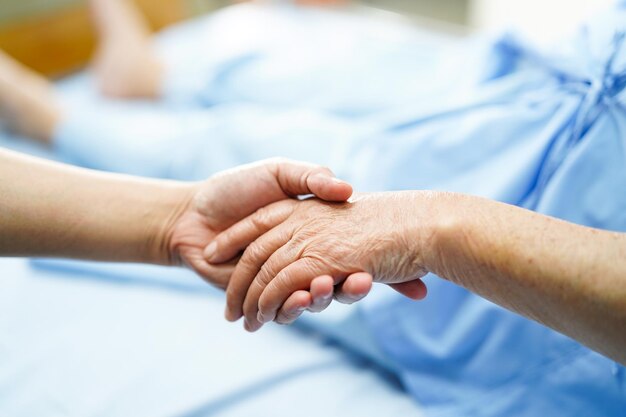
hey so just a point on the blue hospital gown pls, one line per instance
(539, 128)
(545, 132)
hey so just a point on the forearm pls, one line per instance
(568, 277)
(49, 209)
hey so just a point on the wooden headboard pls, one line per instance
(61, 41)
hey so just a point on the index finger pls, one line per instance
(236, 238)
(251, 262)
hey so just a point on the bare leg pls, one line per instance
(124, 64)
(27, 103)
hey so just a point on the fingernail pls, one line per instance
(210, 251)
(326, 298)
(249, 327)
(229, 316)
(337, 180)
(261, 318)
(327, 177)
(294, 314)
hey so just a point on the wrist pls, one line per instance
(453, 223)
(434, 220)
(173, 201)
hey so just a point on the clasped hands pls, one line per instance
(247, 231)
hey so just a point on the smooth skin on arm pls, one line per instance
(50, 209)
(568, 277)
(54, 210)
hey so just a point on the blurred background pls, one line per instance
(55, 36)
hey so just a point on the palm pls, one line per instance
(192, 234)
(212, 210)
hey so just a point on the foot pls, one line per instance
(27, 103)
(125, 64)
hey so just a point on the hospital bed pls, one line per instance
(114, 340)
(88, 339)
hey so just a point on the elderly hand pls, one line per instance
(230, 196)
(291, 243)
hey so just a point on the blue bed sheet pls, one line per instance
(81, 344)
(387, 109)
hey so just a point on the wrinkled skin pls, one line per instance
(228, 197)
(291, 243)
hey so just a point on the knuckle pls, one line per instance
(283, 282)
(256, 291)
(308, 266)
(287, 281)
(266, 275)
(262, 280)
(237, 233)
(283, 209)
(299, 242)
(252, 254)
(261, 218)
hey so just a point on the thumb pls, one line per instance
(299, 178)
